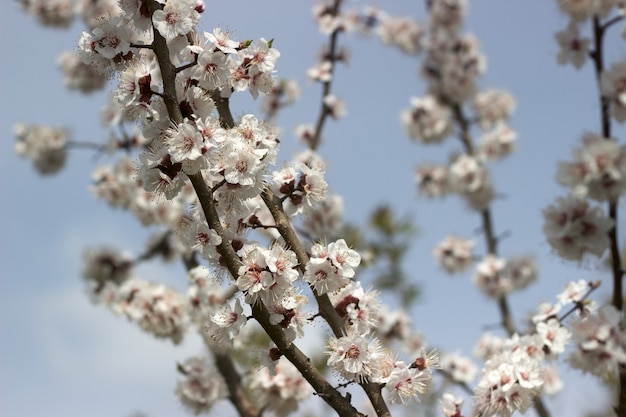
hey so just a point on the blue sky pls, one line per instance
(62, 356)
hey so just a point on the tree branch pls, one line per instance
(616, 264)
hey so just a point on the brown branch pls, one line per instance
(491, 241)
(168, 71)
(326, 85)
(326, 309)
(617, 301)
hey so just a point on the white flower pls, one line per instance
(221, 40)
(601, 342)
(598, 170)
(281, 391)
(427, 120)
(432, 180)
(574, 49)
(493, 107)
(573, 227)
(406, 384)
(454, 254)
(491, 276)
(553, 335)
(178, 17)
(574, 292)
(200, 386)
(355, 357)
(184, 142)
(451, 405)
(335, 107)
(330, 268)
(497, 142)
(403, 32)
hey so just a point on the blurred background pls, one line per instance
(62, 356)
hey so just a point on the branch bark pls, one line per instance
(597, 55)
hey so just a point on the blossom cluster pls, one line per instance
(575, 227)
(496, 276)
(519, 368)
(282, 390)
(199, 386)
(46, 146)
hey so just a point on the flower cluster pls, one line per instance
(330, 268)
(106, 264)
(199, 386)
(46, 146)
(574, 227)
(79, 76)
(496, 276)
(598, 170)
(301, 185)
(459, 368)
(613, 87)
(157, 309)
(600, 340)
(510, 379)
(360, 309)
(454, 254)
(54, 13)
(357, 357)
(427, 121)
(282, 390)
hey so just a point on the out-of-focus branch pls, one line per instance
(326, 85)
(597, 55)
(491, 242)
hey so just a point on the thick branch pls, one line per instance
(168, 71)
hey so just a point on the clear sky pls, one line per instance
(60, 356)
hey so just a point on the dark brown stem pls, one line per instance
(168, 71)
(597, 56)
(134, 45)
(616, 264)
(223, 108)
(326, 85)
